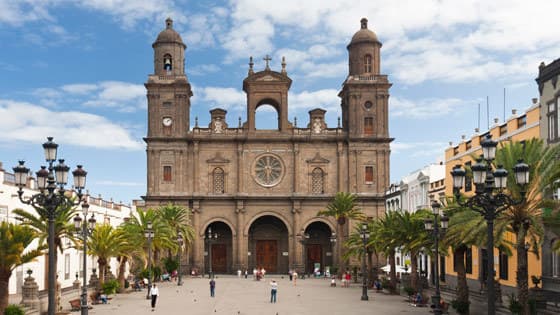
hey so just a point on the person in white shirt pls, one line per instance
(154, 293)
(273, 290)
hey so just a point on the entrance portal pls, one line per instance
(268, 245)
(267, 255)
(318, 248)
(218, 248)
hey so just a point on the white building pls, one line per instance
(70, 260)
(415, 192)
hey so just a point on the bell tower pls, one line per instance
(169, 90)
(365, 93)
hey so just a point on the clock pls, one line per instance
(167, 121)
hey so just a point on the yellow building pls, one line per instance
(518, 127)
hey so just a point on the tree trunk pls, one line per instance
(414, 283)
(393, 272)
(522, 274)
(342, 251)
(462, 287)
(102, 270)
(4, 289)
(122, 269)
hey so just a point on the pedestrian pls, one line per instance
(245, 273)
(290, 273)
(212, 287)
(154, 293)
(273, 290)
(294, 276)
(238, 273)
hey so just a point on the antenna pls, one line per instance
(487, 113)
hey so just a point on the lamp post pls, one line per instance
(364, 234)
(149, 233)
(180, 241)
(489, 199)
(434, 227)
(210, 238)
(84, 227)
(303, 238)
(51, 197)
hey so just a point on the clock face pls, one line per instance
(167, 121)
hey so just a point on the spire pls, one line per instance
(284, 65)
(251, 65)
(169, 23)
(267, 59)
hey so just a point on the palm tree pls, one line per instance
(14, 239)
(413, 238)
(385, 239)
(355, 247)
(177, 219)
(105, 242)
(133, 247)
(64, 227)
(525, 219)
(341, 208)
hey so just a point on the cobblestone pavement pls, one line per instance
(239, 296)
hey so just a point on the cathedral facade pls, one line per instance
(257, 192)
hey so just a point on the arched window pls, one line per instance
(167, 62)
(218, 180)
(367, 64)
(317, 181)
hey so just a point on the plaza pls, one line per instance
(248, 297)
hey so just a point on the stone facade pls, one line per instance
(260, 190)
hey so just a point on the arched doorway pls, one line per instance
(318, 247)
(218, 248)
(268, 245)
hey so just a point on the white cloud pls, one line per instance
(424, 108)
(203, 69)
(223, 97)
(79, 88)
(81, 129)
(418, 149)
(326, 99)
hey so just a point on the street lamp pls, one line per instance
(180, 241)
(50, 199)
(364, 234)
(84, 227)
(210, 238)
(434, 227)
(489, 199)
(303, 238)
(149, 233)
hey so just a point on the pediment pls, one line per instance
(217, 159)
(317, 159)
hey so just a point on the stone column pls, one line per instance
(197, 240)
(295, 253)
(241, 254)
(30, 294)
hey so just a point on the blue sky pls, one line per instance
(75, 70)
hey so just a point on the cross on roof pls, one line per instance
(267, 59)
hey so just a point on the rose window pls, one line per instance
(268, 170)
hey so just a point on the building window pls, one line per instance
(167, 104)
(455, 150)
(555, 261)
(468, 145)
(167, 62)
(317, 181)
(367, 64)
(369, 175)
(468, 262)
(552, 122)
(521, 121)
(468, 177)
(167, 173)
(503, 265)
(503, 129)
(218, 179)
(67, 266)
(457, 256)
(368, 125)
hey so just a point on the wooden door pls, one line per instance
(267, 255)
(219, 258)
(314, 255)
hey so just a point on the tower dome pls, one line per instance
(364, 35)
(169, 35)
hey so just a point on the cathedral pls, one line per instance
(254, 194)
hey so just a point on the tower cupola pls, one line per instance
(363, 51)
(169, 51)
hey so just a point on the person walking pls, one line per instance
(154, 293)
(273, 291)
(294, 276)
(212, 287)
